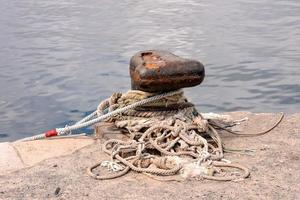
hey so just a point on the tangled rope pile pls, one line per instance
(165, 138)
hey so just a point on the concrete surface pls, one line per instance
(274, 166)
(18, 155)
(9, 159)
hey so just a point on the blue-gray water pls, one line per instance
(59, 58)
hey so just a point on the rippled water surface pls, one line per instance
(59, 58)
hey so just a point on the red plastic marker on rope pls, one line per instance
(51, 133)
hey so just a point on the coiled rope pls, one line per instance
(158, 137)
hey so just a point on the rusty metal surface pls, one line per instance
(157, 71)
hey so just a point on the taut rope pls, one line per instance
(88, 121)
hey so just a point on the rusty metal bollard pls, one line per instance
(158, 71)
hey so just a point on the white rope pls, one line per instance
(90, 116)
(35, 137)
(86, 121)
(62, 131)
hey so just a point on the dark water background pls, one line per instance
(59, 58)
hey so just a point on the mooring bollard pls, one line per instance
(167, 136)
(158, 71)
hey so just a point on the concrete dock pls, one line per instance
(56, 168)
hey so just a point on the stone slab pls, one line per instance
(33, 152)
(17, 155)
(9, 158)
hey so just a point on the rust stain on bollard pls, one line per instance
(152, 61)
(158, 71)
